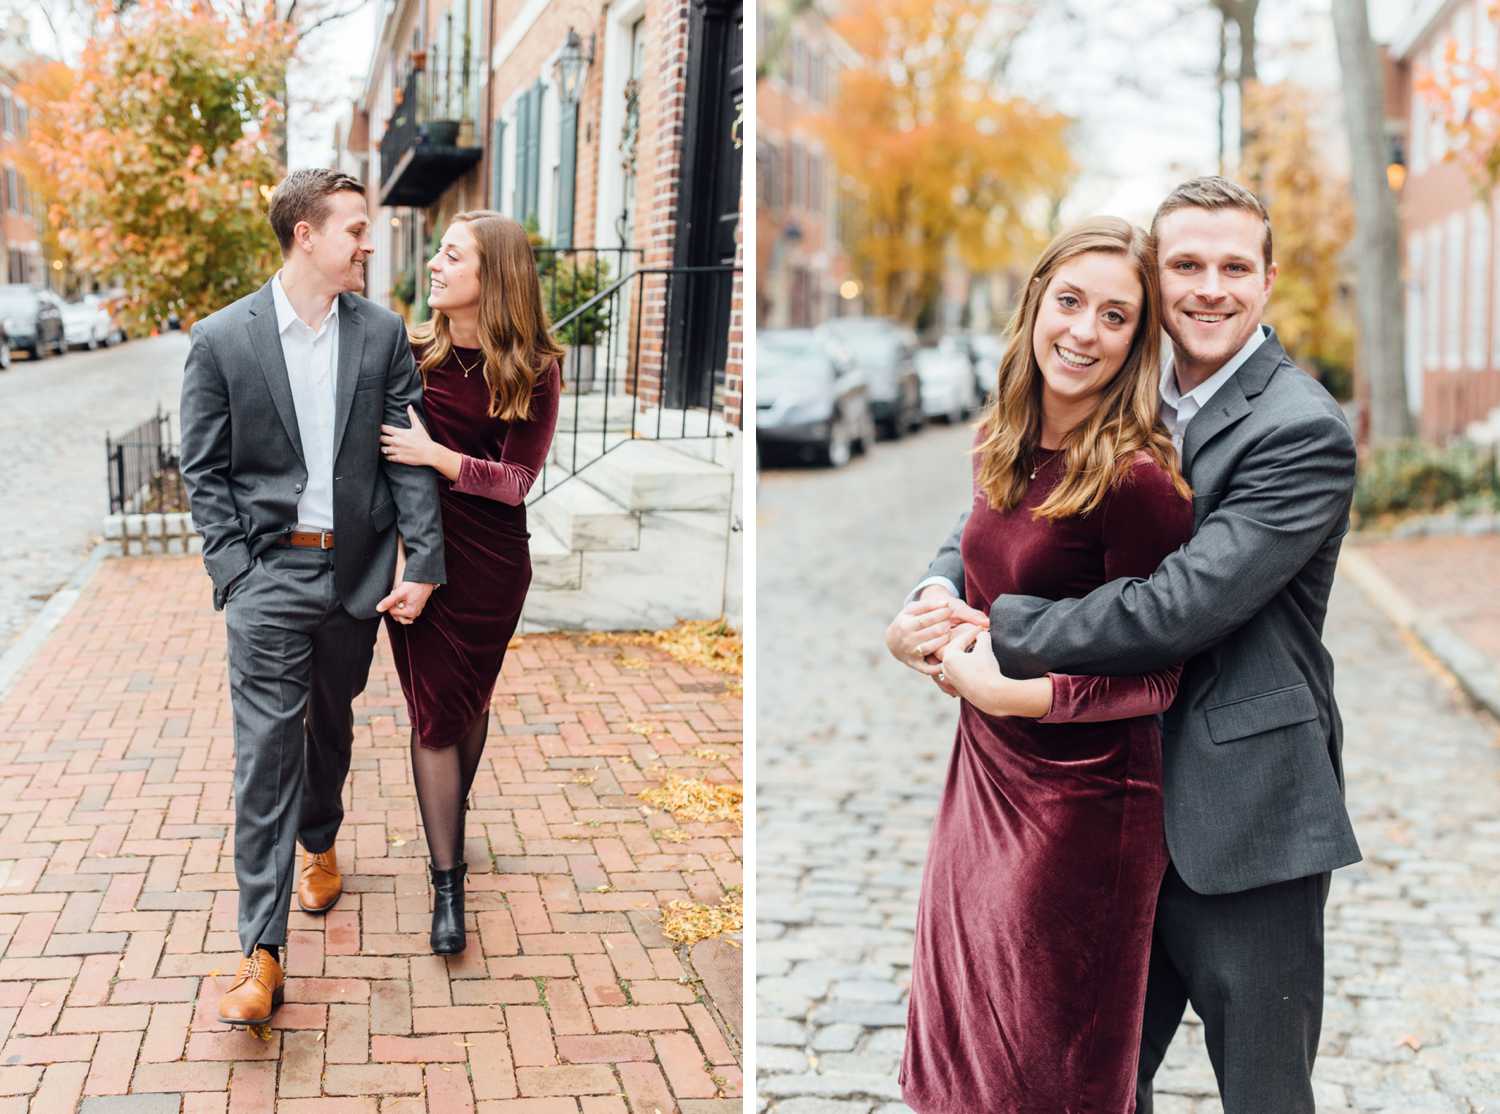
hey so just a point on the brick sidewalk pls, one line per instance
(117, 891)
(1453, 579)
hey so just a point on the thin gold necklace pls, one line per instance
(460, 361)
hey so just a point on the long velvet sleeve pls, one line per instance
(508, 479)
(1144, 520)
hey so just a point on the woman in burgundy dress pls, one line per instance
(1034, 929)
(491, 386)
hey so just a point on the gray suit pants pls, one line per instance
(297, 660)
(1252, 965)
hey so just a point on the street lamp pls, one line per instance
(1395, 170)
(572, 64)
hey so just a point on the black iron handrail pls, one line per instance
(142, 469)
(616, 316)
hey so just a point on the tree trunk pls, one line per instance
(1377, 252)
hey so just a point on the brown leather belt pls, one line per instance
(307, 539)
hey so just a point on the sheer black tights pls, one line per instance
(443, 779)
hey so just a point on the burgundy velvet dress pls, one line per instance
(1034, 928)
(449, 659)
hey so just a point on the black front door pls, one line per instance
(708, 211)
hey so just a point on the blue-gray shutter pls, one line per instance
(532, 181)
(567, 164)
(518, 188)
(497, 165)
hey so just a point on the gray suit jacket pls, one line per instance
(1253, 743)
(242, 451)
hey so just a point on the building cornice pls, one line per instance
(1414, 30)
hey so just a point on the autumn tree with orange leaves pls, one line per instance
(1465, 92)
(943, 165)
(162, 154)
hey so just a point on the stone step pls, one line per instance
(595, 412)
(677, 573)
(584, 518)
(651, 476)
(554, 566)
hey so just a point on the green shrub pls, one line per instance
(568, 283)
(1410, 477)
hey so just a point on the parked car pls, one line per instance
(884, 351)
(986, 352)
(948, 381)
(87, 323)
(33, 319)
(807, 401)
(4, 350)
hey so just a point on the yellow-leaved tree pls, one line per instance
(161, 155)
(1312, 218)
(941, 163)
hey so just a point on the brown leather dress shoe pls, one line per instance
(256, 991)
(320, 883)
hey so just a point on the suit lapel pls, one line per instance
(351, 356)
(265, 341)
(1227, 406)
(1231, 402)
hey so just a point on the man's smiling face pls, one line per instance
(1214, 285)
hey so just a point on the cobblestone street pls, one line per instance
(54, 415)
(118, 898)
(852, 749)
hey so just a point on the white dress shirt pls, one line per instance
(312, 360)
(1177, 409)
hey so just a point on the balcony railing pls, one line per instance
(420, 155)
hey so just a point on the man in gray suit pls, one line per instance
(1255, 814)
(283, 397)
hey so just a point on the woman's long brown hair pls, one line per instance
(514, 333)
(1101, 449)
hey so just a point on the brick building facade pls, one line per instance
(1448, 231)
(581, 118)
(18, 208)
(801, 262)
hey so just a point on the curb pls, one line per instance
(14, 661)
(1476, 674)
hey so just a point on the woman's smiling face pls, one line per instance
(1085, 324)
(455, 270)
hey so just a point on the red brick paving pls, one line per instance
(1449, 578)
(117, 896)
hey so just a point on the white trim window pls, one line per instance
(1416, 319)
(1453, 281)
(1433, 288)
(1495, 289)
(1476, 299)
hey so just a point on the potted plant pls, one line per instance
(576, 281)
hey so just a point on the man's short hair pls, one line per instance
(1213, 192)
(303, 196)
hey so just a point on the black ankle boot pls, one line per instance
(448, 910)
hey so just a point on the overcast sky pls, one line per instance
(1144, 103)
(1145, 100)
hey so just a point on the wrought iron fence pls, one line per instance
(571, 276)
(142, 469)
(640, 366)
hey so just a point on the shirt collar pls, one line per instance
(286, 315)
(1210, 386)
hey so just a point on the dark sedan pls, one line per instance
(886, 353)
(806, 403)
(33, 319)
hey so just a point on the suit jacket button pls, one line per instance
(298, 488)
